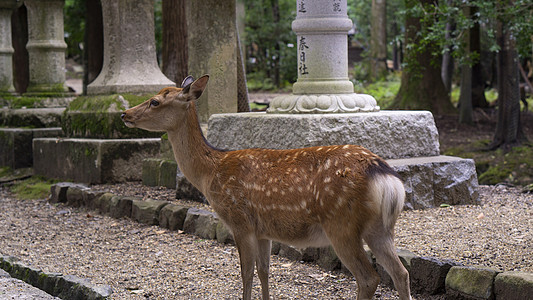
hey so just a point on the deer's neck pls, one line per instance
(195, 157)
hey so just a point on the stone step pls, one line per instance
(93, 160)
(435, 180)
(16, 145)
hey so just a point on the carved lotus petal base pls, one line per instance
(326, 103)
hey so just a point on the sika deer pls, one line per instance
(338, 195)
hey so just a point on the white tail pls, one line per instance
(338, 195)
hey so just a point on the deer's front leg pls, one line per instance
(248, 247)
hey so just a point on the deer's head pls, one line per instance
(168, 108)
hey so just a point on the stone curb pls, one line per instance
(55, 284)
(428, 275)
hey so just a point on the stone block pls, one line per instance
(513, 285)
(92, 160)
(102, 203)
(120, 207)
(470, 283)
(89, 196)
(167, 174)
(328, 259)
(185, 190)
(58, 191)
(223, 234)
(290, 252)
(275, 248)
(100, 125)
(32, 117)
(150, 171)
(75, 195)
(173, 216)
(201, 223)
(147, 211)
(16, 145)
(389, 134)
(428, 275)
(432, 181)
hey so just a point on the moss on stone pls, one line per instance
(99, 117)
(497, 166)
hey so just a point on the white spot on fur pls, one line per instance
(327, 179)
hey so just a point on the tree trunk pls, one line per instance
(421, 84)
(93, 52)
(508, 129)
(174, 49)
(447, 59)
(378, 40)
(478, 78)
(19, 36)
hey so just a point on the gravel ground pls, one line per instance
(148, 262)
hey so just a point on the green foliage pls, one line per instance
(270, 43)
(518, 18)
(32, 188)
(74, 24)
(383, 91)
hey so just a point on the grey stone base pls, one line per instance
(389, 134)
(92, 160)
(407, 139)
(16, 145)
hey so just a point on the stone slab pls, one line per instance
(92, 160)
(16, 145)
(389, 134)
(435, 180)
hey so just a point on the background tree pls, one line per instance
(378, 40)
(174, 40)
(421, 83)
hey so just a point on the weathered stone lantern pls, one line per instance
(46, 46)
(6, 48)
(323, 86)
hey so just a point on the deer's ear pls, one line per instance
(187, 81)
(195, 89)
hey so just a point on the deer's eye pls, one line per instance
(154, 103)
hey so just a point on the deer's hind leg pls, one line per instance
(349, 248)
(381, 242)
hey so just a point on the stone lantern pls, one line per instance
(6, 47)
(323, 86)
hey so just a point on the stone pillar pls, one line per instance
(46, 46)
(6, 47)
(321, 27)
(212, 35)
(130, 62)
